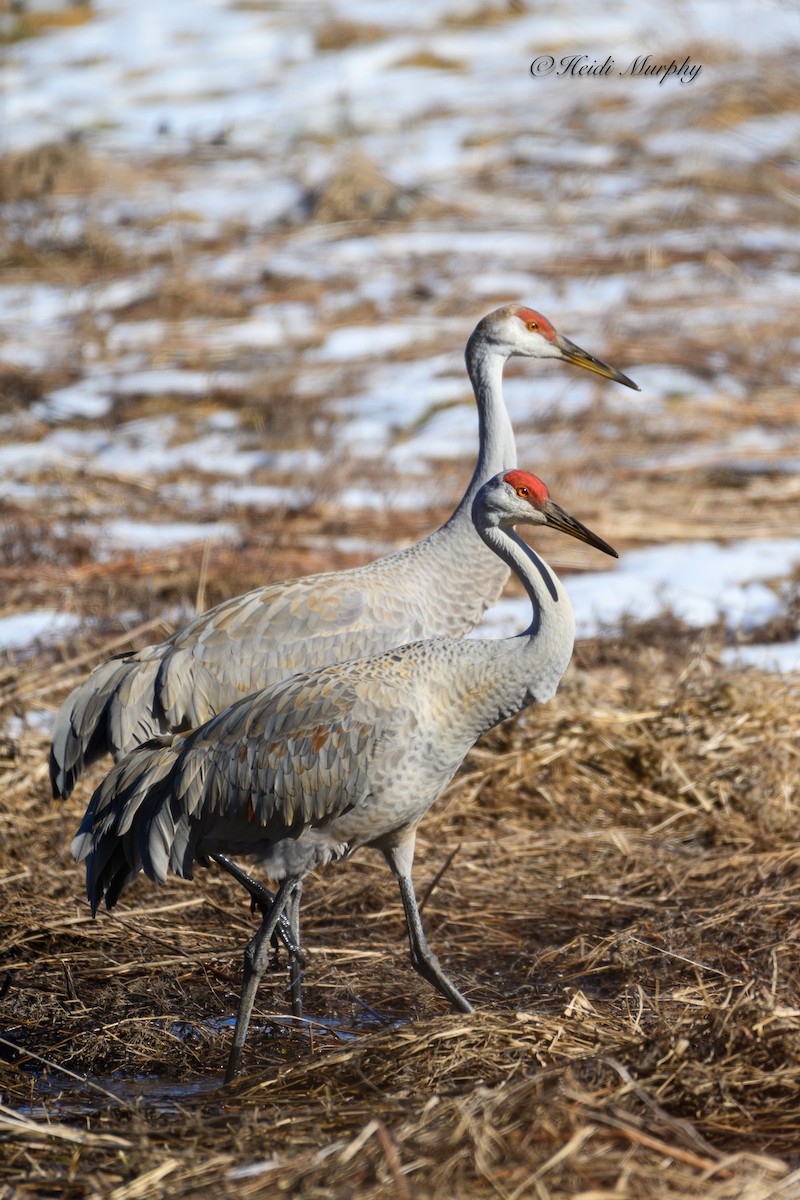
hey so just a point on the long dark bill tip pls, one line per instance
(558, 518)
(579, 358)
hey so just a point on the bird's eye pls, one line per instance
(533, 326)
(523, 491)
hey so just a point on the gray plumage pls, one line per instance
(439, 586)
(350, 755)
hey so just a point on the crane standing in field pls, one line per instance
(350, 755)
(441, 585)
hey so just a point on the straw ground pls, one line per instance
(613, 879)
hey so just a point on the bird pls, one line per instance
(440, 585)
(352, 754)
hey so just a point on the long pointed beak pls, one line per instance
(574, 354)
(557, 518)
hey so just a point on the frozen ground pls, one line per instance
(214, 334)
(701, 583)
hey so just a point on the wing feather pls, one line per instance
(245, 643)
(293, 756)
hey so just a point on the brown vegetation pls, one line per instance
(621, 903)
(613, 878)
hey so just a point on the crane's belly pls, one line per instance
(379, 819)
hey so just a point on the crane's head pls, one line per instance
(516, 329)
(519, 498)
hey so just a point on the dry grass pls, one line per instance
(52, 168)
(622, 901)
(622, 905)
(358, 191)
(772, 89)
(483, 13)
(341, 35)
(20, 386)
(179, 297)
(21, 23)
(74, 260)
(427, 60)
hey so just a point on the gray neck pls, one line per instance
(474, 571)
(549, 601)
(451, 572)
(458, 576)
(498, 451)
(505, 676)
(493, 679)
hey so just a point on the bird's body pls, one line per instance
(440, 586)
(352, 754)
(315, 767)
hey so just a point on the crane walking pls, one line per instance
(349, 755)
(441, 585)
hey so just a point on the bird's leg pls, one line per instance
(423, 960)
(262, 899)
(288, 928)
(256, 956)
(296, 957)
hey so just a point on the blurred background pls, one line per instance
(244, 244)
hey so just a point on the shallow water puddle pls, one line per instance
(54, 1097)
(320, 1031)
(60, 1099)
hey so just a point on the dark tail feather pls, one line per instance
(109, 836)
(88, 725)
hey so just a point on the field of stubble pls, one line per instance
(613, 879)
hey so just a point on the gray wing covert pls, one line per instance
(245, 643)
(251, 641)
(296, 754)
(267, 635)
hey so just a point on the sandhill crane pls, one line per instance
(349, 755)
(440, 585)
